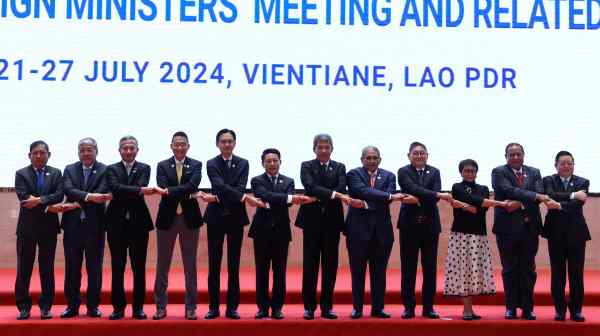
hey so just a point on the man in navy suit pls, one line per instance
(567, 233)
(369, 233)
(84, 227)
(419, 226)
(517, 228)
(128, 223)
(226, 217)
(271, 232)
(178, 216)
(321, 223)
(39, 188)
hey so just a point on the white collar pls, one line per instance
(177, 161)
(128, 164)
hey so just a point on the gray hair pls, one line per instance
(89, 142)
(322, 138)
(368, 148)
(127, 138)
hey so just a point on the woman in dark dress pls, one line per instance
(469, 261)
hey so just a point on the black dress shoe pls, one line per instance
(408, 314)
(116, 315)
(70, 312)
(328, 314)
(308, 314)
(430, 314)
(510, 314)
(160, 314)
(212, 314)
(558, 316)
(277, 314)
(190, 314)
(232, 314)
(93, 312)
(528, 315)
(356, 314)
(380, 314)
(577, 317)
(23, 314)
(261, 314)
(471, 317)
(45, 314)
(139, 315)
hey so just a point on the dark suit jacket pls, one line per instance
(427, 195)
(127, 197)
(229, 185)
(504, 183)
(36, 221)
(326, 213)
(76, 191)
(166, 177)
(361, 224)
(569, 223)
(273, 222)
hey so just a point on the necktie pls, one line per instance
(520, 179)
(372, 180)
(179, 171)
(565, 183)
(128, 167)
(420, 175)
(39, 183)
(86, 176)
(228, 162)
(273, 181)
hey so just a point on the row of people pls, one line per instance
(367, 191)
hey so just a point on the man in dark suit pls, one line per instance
(420, 228)
(567, 233)
(226, 216)
(271, 232)
(517, 228)
(321, 222)
(128, 223)
(369, 233)
(84, 184)
(178, 216)
(39, 188)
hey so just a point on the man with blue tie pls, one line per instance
(271, 232)
(419, 226)
(226, 216)
(39, 188)
(369, 233)
(518, 227)
(567, 233)
(84, 230)
(128, 224)
(178, 216)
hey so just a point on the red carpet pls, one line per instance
(343, 293)
(450, 324)
(490, 307)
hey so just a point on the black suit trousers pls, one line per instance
(565, 258)
(517, 255)
(135, 244)
(270, 253)
(376, 255)
(77, 246)
(216, 237)
(319, 248)
(27, 246)
(411, 243)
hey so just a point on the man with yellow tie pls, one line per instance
(178, 216)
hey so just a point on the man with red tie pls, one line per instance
(517, 228)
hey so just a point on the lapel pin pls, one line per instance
(47, 174)
(93, 172)
(330, 168)
(233, 165)
(379, 177)
(187, 166)
(172, 166)
(571, 184)
(427, 172)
